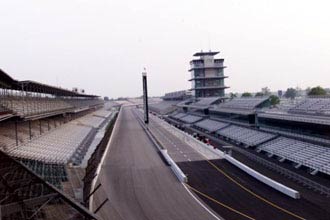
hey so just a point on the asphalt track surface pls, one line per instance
(137, 183)
(221, 184)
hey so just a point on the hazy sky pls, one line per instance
(103, 45)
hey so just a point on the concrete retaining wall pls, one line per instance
(174, 167)
(275, 185)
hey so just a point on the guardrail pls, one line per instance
(275, 185)
(174, 167)
(163, 152)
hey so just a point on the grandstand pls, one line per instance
(50, 148)
(246, 136)
(169, 102)
(178, 115)
(302, 153)
(164, 107)
(309, 110)
(210, 126)
(201, 104)
(24, 195)
(190, 119)
(319, 106)
(243, 106)
(304, 143)
(47, 129)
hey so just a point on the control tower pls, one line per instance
(207, 77)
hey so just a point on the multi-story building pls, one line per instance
(207, 77)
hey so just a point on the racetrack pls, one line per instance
(137, 182)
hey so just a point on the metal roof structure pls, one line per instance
(7, 82)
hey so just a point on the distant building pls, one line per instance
(207, 75)
(178, 95)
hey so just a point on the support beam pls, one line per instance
(16, 133)
(100, 206)
(96, 188)
(30, 132)
(40, 127)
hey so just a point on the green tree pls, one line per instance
(274, 100)
(233, 95)
(290, 93)
(246, 94)
(317, 91)
(259, 94)
(265, 91)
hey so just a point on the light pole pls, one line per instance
(145, 97)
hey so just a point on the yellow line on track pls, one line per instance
(254, 194)
(247, 190)
(220, 203)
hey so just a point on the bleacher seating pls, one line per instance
(7, 134)
(313, 106)
(302, 136)
(84, 103)
(210, 125)
(302, 153)
(178, 115)
(189, 119)
(56, 146)
(243, 103)
(314, 119)
(102, 113)
(52, 173)
(28, 106)
(249, 137)
(206, 101)
(163, 107)
(90, 120)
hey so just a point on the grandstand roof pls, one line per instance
(202, 103)
(233, 111)
(7, 82)
(33, 86)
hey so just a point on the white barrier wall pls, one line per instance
(275, 185)
(176, 170)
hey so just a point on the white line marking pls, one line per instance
(200, 203)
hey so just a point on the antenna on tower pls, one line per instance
(209, 40)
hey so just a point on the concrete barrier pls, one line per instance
(163, 152)
(174, 167)
(275, 185)
(199, 146)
